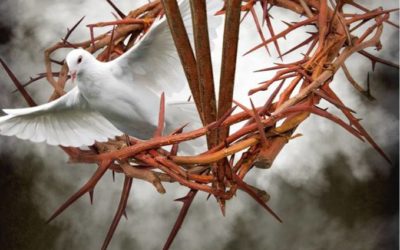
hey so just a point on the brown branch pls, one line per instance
(88, 187)
(184, 49)
(258, 26)
(376, 59)
(254, 195)
(161, 117)
(214, 157)
(35, 79)
(144, 174)
(204, 66)
(70, 31)
(120, 211)
(18, 84)
(354, 83)
(283, 33)
(120, 13)
(187, 201)
(228, 64)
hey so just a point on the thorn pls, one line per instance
(91, 29)
(110, 45)
(182, 199)
(263, 137)
(18, 84)
(375, 59)
(244, 16)
(37, 78)
(181, 217)
(115, 16)
(120, 13)
(243, 186)
(282, 34)
(226, 143)
(57, 62)
(69, 31)
(175, 147)
(272, 32)
(320, 112)
(232, 160)
(222, 206)
(305, 42)
(322, 94)
(369, 88)
(270, 100)
(288, 24)
(243, 107)
(125, 215)
(265, 11)
(69, 44)
(218, 123)
(221, 11)
(89, 185)
(161, 117)
(361, 130)
(120, 211)
(296, 136)
(259, 30)
(91, 192)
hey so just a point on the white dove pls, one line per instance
(111, 98)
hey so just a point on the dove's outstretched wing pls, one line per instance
(153, 61)
(67, 121)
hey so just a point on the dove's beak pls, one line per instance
(73, 75)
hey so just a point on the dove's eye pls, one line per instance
(79, 59)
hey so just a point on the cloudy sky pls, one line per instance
(332, 191)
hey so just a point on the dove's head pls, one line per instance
(77, 60)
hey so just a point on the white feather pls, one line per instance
(67, 121)
(154, 61)
(121, 95)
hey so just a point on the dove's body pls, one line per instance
(112, 98)
(116, 96)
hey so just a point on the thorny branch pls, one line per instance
(259, 141)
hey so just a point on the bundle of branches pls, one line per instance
(260, 140)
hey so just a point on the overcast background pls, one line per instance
(332, 191)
